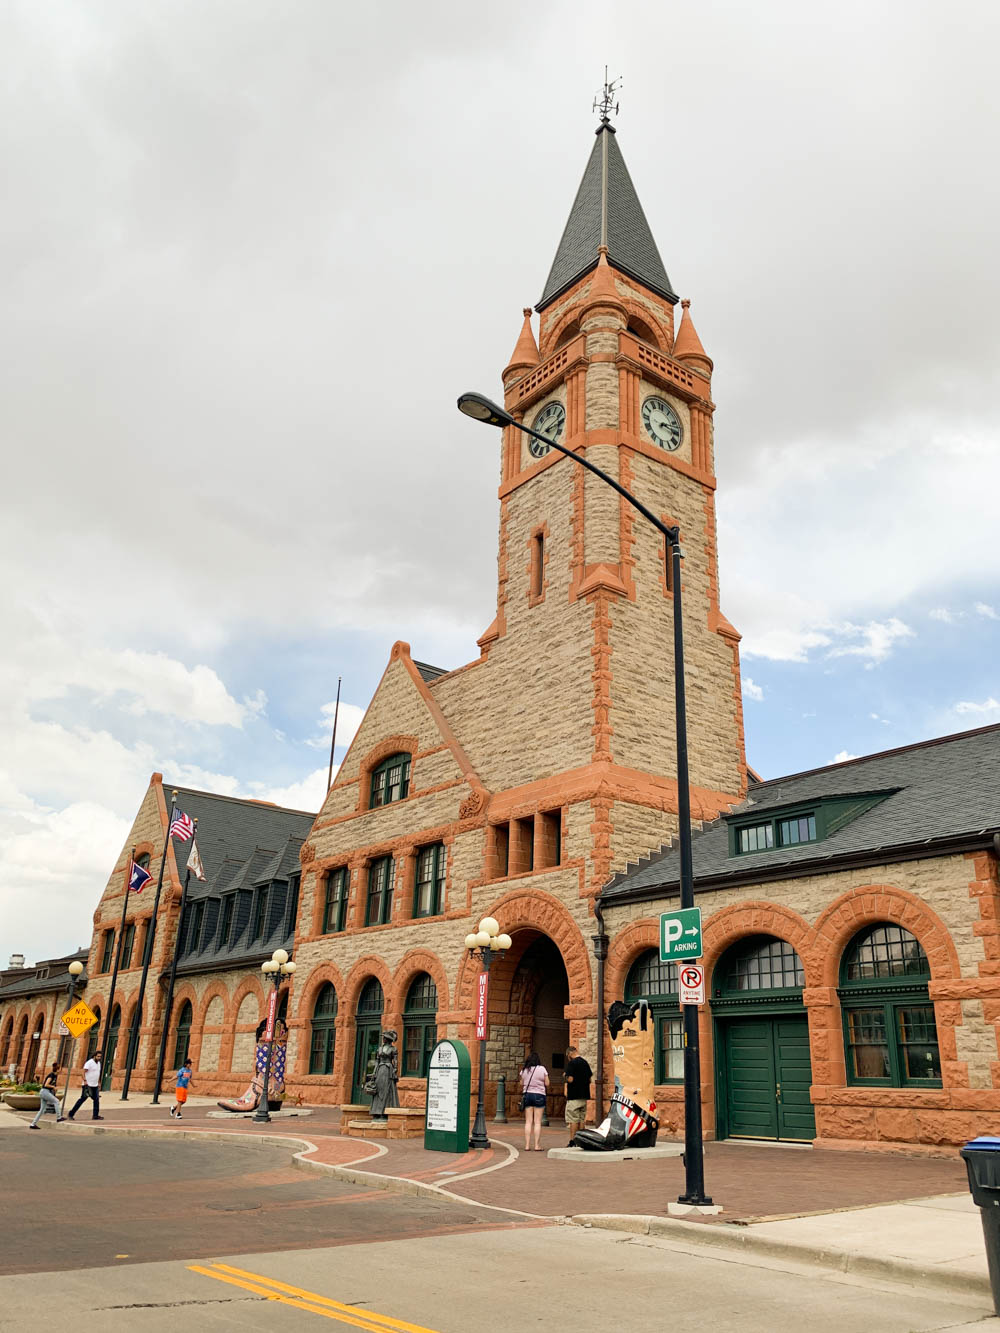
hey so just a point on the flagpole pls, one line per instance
(147, 954)
(333, 742)
(173, 976)
(118, 958)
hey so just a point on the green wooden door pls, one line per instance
(365, 1048)
(768, 1073)
(109, 1060)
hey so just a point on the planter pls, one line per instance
(22, 1101)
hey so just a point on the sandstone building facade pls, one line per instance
(533, 784)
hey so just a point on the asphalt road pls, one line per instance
(85, 1201)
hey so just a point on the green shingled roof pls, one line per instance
(607, 211)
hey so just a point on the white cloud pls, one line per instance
(785, 644)
(987, 612)
(751, 690)
(348, 720)
(309, 794)
(988, 708)
(876, 639)
(944, 615)
(843, 757)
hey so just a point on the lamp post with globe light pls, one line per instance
(277, 966)
(74, 969)
(483, 944)
(480, 408)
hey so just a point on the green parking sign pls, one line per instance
(680, 934)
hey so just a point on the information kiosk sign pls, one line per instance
(449, 1087)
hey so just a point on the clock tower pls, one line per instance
(584, 624)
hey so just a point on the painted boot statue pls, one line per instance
(630, 1122)
(382, 1084)
(276, 1080)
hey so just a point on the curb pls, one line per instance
(966, 1287)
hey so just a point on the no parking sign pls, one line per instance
(691, 977)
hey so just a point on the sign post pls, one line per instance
(449, 1088)
(691, 977)
(77, 1020)
(482, 1006)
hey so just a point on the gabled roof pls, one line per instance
(606, 211)
(57, 978)
(943, 795)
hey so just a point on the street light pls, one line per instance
(74, 970)
(481, 408)
(483, 944)
(276, 967)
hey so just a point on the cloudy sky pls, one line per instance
(251, 252)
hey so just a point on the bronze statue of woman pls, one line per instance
(385, 1077)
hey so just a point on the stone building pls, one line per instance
(537, 784)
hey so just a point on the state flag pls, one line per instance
(138, 878)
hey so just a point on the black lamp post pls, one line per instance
(74, 970)
(277, 966)
(481, 408)
(483, 944)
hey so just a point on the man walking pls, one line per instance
(91, 1088)
(49, 1100)
(578, 1076)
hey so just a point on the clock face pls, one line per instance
(662, 423)
(551, 421)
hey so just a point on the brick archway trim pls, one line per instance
(411, 964)
(872, 903)
(723, 929)
(216, 989)
(530, 909)
(368, 966)
(317, 979)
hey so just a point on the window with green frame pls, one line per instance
(94, 1035)
(260, 914)
(890, 1035)
(378, 908)
(322, 1047)
(791, 826)
(182, 1044)
(419, 1026)
(128, 943)
(143, 860)
(390, 780)
(656, 983)
(338, 888)
(197, 921)
(761, 963)
(107, 950)
(428, 889)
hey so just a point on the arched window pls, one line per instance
(390, 780)
(143, 860)
(760, 963)
(5, 1048)
(324, 1031)
(183, 1041)
(22, 1037)
(656, 983)
(419, 1026)
(371, 1001)
(93, 1036)
(890, 1036)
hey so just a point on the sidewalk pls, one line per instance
(907, 1219)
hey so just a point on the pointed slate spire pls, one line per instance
(687, 344)
(525, 353)
(606, 211)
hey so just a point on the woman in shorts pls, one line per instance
(534, 1087)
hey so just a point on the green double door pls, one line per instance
(367, 1042)
(767, 1073)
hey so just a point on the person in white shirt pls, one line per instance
(91, 1089)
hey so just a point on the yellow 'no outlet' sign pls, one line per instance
(79, 1018)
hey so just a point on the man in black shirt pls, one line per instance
(578, 1076)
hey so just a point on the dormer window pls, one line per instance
(792, 826)
(390, 781)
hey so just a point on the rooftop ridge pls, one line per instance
(237, 800)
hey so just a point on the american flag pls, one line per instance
(181, 826)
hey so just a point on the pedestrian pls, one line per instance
(91, 1088)
(183, 1077)
(534, 1086)
(49, 1098)
(578, 1076)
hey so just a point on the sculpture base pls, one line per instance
(616, 1155)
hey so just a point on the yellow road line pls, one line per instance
(307, 1300)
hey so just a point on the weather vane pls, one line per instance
(606, 102)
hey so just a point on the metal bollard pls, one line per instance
(501, 1116)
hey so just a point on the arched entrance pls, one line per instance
(368, 1026)
(763, 1068)
(529, 992)
(34, 1046)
